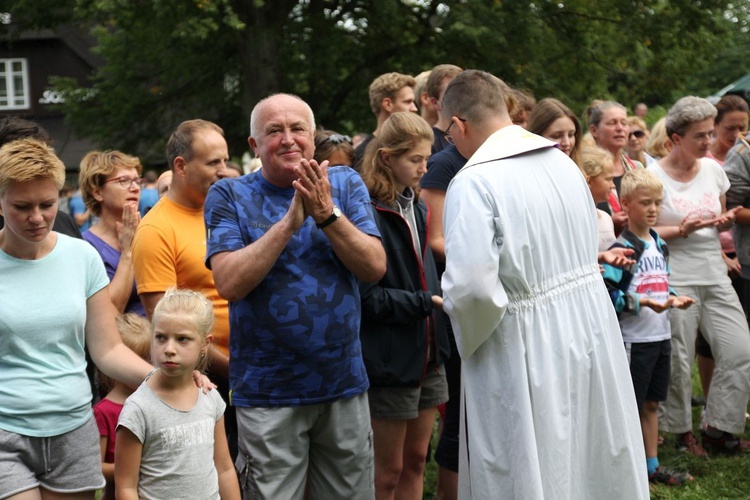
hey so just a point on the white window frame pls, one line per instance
(10, 87)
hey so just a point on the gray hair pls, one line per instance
(476, 96)
(255, 115)
(598, 112)
(687, 111)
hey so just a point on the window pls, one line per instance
(14, 84)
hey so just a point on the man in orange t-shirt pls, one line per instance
(169, 247)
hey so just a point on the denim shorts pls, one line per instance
(68, 463)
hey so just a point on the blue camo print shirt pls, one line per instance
(295, 338)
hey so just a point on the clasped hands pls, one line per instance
(312, 196)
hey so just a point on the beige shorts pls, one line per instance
(327, 446)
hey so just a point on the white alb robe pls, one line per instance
(548, 409)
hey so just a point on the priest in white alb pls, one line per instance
(548, 408)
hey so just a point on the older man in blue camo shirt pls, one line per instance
(287, 245)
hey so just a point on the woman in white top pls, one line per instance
(693, 211)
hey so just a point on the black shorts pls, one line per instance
(446, 454)
(649, 369)
(702, 347)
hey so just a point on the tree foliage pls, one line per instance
(167, 61)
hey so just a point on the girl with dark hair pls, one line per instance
(729, 124)
(553, 120)
(334, 147)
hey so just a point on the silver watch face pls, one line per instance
(336, 211)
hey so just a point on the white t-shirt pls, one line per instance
(695, 260)
(177, 459)
(651, 280)
(606, 230)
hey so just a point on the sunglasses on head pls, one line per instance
(639, 134)
(337, 139)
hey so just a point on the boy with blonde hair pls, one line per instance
(642, 298)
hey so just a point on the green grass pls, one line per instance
(430, 473)
(720, 477)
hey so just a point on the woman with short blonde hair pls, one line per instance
(55, 301)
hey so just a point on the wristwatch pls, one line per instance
(335, 214)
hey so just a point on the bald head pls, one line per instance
(163, 183)
(282, 129)
(275, 101)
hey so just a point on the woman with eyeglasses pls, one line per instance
(111, 185)
(637, 138)
(730, 124)
(334, 147)
(693, 211)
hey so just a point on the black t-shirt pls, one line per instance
(359, 152)
(440, 142)
(441, 169)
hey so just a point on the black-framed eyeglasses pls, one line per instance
(447, 135)
(127, 182)
(336, 139)
(639, 134)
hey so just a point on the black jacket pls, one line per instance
(397, 312)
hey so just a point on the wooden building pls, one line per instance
(27, 61)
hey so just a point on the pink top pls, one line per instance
(106, 413)
(725, 237)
